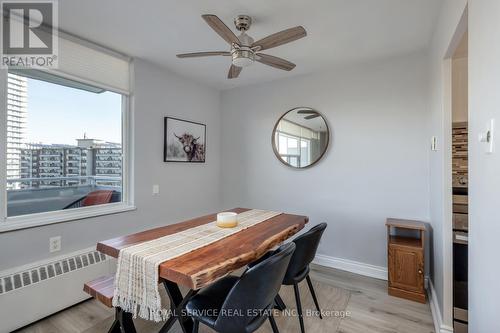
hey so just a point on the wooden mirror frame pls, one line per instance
(273, 139)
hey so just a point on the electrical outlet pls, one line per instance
(54, 244)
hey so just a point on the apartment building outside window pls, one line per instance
(16, 122)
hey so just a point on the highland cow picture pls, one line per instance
(184, 141)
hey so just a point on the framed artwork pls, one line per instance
(184, 141)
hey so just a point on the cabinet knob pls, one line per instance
(420, 271)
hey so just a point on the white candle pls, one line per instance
(227, 220)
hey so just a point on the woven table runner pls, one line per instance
(136, 281)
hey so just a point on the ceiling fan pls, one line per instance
(311, 114)
(244, 50)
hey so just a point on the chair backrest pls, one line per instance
(98, 197)
(305, 251)
(254, 292)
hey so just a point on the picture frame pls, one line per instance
(184, 141)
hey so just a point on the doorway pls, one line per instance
(460, 183)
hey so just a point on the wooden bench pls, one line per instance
(102, 289)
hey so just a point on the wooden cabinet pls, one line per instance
(406, 259)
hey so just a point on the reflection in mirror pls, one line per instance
(300, 137)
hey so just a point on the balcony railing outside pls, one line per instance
(45, 194)
(82, 180)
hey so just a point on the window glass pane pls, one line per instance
(292, 146)
(64, 145)
(305, 152)
(282, 145)
(293, 161)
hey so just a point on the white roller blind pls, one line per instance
(296, 130)
(84, 61)
(80, 61)
(289, 128)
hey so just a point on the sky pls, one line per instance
(60, 115)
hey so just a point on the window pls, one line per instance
(296, 143)
(64, 144)
(290, 152)
(65, 138)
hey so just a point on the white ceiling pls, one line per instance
(316, 124)
(339, 32)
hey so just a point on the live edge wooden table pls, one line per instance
(203, 266)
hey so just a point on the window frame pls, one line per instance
(299, 142)
(46, 218)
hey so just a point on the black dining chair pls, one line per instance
(298, 269)
(242, 304)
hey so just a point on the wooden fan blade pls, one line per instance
(234, 71)
(312, 116)
(220, 28)
(280, 38)
(203, 54)
(275, 62)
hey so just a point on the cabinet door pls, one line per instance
(406, 269)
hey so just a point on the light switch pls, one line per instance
(156, 189)
(434, 143)
(487, 137)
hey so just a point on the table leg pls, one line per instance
(177, 303)
(123, 322)
(115, 327)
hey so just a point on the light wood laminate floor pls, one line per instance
(365, 300)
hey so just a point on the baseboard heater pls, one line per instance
(37, 290)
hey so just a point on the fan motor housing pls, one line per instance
(243, 22)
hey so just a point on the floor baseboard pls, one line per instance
(377, 272)
(436, 312)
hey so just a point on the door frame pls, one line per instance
(447, 70)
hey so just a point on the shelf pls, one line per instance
(405, 241)
(405, 224)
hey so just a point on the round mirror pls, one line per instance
(300, 137)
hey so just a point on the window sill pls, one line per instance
(41, 219)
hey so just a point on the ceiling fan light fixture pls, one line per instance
(243, 57)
